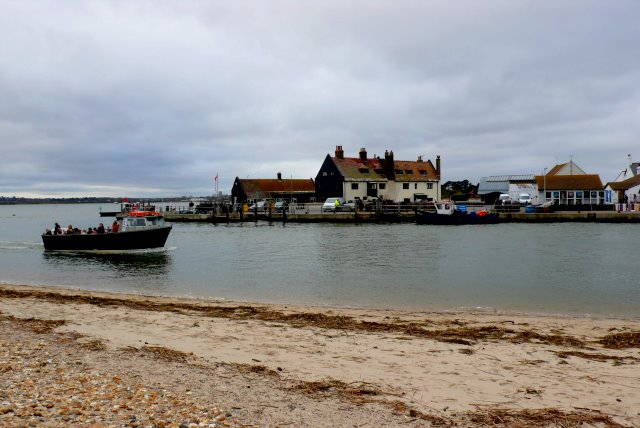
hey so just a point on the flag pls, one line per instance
(216, 177)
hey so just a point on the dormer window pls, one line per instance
(408, 171)
(398, 172)
(423, 172)
(364, 170)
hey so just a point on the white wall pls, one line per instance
(515, 189)
(393, 190)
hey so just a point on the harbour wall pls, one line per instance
(403, 217)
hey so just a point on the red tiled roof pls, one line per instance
(626, 184)
(570, 182)
(555, 169)
(356, 168)
(372, 169)
(420, 171)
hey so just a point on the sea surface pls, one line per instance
(563, 268)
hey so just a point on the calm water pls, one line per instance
(553, 268)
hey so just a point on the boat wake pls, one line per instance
(19, 245)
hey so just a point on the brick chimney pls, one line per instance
(389, 167)
(363, 154)
(279, 176)
(438, 167)
(339, 152)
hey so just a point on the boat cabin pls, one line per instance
(137, 220)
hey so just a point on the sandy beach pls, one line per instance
(71, 357)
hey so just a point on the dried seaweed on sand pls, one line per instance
(621, 340)
(540, 418)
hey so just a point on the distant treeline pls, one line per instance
(13, 200)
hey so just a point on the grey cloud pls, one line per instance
(159, 97)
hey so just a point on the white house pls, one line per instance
(567, 184)
(369, 178)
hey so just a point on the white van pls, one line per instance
(524, 199)
(504, 198)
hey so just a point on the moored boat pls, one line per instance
(136, 230)
(447, 213)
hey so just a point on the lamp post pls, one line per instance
(544, 188)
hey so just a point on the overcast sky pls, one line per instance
(154, 98)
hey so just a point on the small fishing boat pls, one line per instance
(136, 230)
(447, 213)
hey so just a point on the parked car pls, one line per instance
(330, 204)
(348, 206)
(261, 205)
(281, 206)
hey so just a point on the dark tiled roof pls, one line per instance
(626, 184)
(570, 182)
(268, 185)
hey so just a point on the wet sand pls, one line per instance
(81, 357)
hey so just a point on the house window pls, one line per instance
(364, 170)
(382, 186)
(354, 186)
(415, 185)
(405, 185)
(398, 172)
(408, 171)
(324, 174)
(331, 172)
(430, 186)
(423, 172)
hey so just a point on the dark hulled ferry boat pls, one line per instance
(136, 230)
(447, 213)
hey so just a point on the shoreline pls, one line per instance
(319, 366)
(480, 311)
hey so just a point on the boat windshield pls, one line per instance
(155, 221)
(131, 222)
(138, 222)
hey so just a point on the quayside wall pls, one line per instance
(404, 217)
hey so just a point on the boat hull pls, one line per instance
(456, 218)
(128, 240)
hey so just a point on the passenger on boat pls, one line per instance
(115, 226)
(47, 232)
(69, 230)
(57, 230)
(101, 228)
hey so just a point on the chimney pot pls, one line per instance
(339, 152)
(363, 154)
(279, 176)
